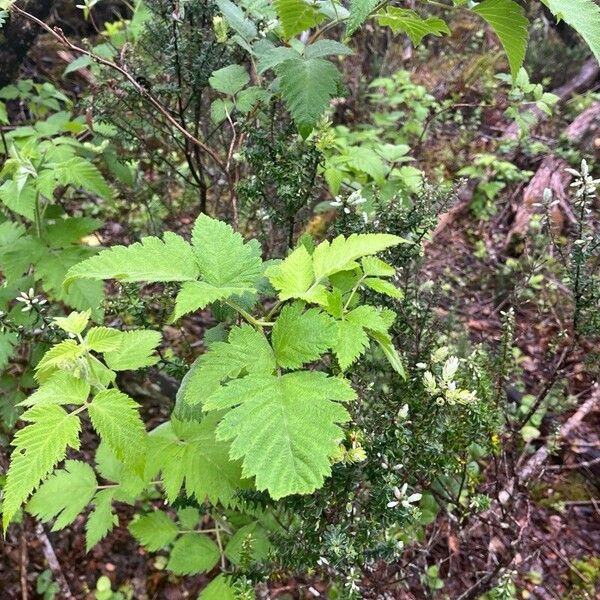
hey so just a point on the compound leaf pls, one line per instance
(193, 553)
(154, 530)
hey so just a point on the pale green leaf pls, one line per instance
(116, 419)
(135, 351)
(293, 276)
(81, 173)
(326, 48)
(193, 553)
(383, 287)
(152, 259)
(154, 530)
(63, 355)
(59, 388)
(38, 448)
(101, 520)
(509, 22)
(375, 267)
(359, 12)
(352, 340)
(74, 323)
(64, 495)
(301, 336)
(218, 589)
(284, 428)
(103, 339)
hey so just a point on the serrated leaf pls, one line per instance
(236, 19)
(293, 276)
(188, 517)
(218, 589)
(340, 254)
(103, 339)
(154, 530)
(64, 495)
(246, 350)
(70, 230)
(367, 161)
(59, 388)
(359, 11)
(387, 346)
(38, 448)
(296, 16)
(74, 323)
(129, 484)
(375, 267)
(352, 340)
(509, 22)
(135, 351)
(301, 336)
(326, 48)
(101, 520)
(63, 355)
(152, 259)
(224, 259)
(187, 454)
(116, 419)
(307, 87)
(383, 287)
(284, 428)
(193, 553)
(81, 173)
(583, 16)
(271, 57)
(405, 20)
(229, 80)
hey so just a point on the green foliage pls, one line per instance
(408, 21)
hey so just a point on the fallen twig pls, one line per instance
(53, 563)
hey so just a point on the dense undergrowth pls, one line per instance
(235, 331)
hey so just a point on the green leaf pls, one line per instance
(246, 350)
(583, 16)
(351, 342)
(116, 419)
(196, 295)
(509, 22)
(294, 276)
(359, 12)
(218, 589)
(301, 336)
(369, 162)
(152, 259)
(68, 231)
(387, 346)
(375, 267)
(74, 323)
(64, 494)
(271, 57)
(59, 388)
(252, 537)
(101, 520)
(8, 343)
(383, 287)
(326, 48)
(340, 254)
(135, 350)
(284, 428)
(405, 20)
(223, 258)
(63, 355)
(187, 454)
(188, 517)
(229, 80)
(38, 447)
(103, 339)
(307, 87)
(296, 16)
(81, 173)
(129, 484)
(154, 530)
(236, 19)
(193, 553)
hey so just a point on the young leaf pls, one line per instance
(64, 494)
(383, 287)
(218, 589)
(82, 173)
(59, 388)
(307, 87)
(340, 254)
(405, 20)
(296, 16)
(359, 11)
(583, 16)
(38, 447)
(115, 418)
(101, 520)
(193, 553)
(154, 530)
(188, 454)
(64, 354)
(135, 350)
(74, 323)
(375, 267)
(152, 259)
(284, 428)
(294, 276)
(300, 337)
(509, 22)
(246, 350)
(103, 339)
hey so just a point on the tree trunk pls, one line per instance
(16, 38)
